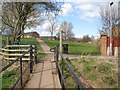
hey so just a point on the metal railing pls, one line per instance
(22, 72)
(78, 82)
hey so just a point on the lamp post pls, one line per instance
(111, 28)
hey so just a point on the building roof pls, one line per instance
(30, 32)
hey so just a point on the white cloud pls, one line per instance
(78, 36)
(44, 33)
(41, 31)
(79, 1)
(85, 7)
(45, 26)
(66, 8)
(88, 11)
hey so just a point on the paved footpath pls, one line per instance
(44, 75)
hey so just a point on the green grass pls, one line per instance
(9, 78)
(31, 41)
(24, 41)
(51, 43)
(4, 40)
(4, 37)
(76, 48)
(41, 55)
(100, 73)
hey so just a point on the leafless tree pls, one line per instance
(67, 30)
(20, 15)
(51, 19)
(105, 18)
(86, 38)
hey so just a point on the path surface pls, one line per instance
(44, 75)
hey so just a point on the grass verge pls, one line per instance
(9, 78)
(100, 74)
(41, 55)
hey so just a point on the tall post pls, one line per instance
(21, 72)
(111, 28)
(31, 59)
(35, 54)
(61, 40)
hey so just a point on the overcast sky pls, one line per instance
(83, 15)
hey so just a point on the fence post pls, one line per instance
(31, 59)
(57, 55)
(21, 71)
(35, 54)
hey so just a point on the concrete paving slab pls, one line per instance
(43, 76)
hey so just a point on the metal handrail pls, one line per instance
(75, 77)
(30, 65)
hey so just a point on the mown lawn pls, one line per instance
(76, 48)
(34, 42)
(31, 41)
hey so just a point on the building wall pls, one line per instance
(31, 34)
(104, 45)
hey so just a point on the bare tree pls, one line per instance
(51, 19)
(105, 18)
(67, 29)
(86, 38)
(19, 15)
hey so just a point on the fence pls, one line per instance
(78, 82)
(22, 79)
(11, 52)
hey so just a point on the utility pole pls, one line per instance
(111, 29)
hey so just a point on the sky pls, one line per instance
(83, 15)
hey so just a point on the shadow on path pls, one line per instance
(43, 76)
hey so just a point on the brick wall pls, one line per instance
(104, 44)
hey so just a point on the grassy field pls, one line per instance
(76, 48)
(33, 41)
(98, 73)
(30, 41)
